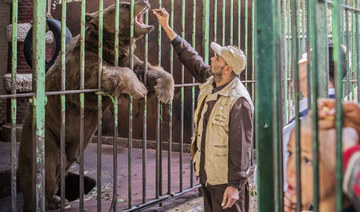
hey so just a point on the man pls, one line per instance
(222, 142)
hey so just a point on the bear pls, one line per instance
(118, 81)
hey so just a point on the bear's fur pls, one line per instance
(117, 81)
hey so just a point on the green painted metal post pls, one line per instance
(223, 21)
(322, 48)
(182, 100)
(357, 22)
(314, 60)
(264, 104)
(295, 57)
(215, 19)
(130, 138)
(158, 124)
(337, 13)
(82, 102)
(231, 21)
(13, 103)
(246, 36)
(39, 101)
(347, 43)
(144, 147)
(205, 29)
(284, 61)
(276, 108)
(63, 105)
(239, 23)
(193, 81)
(170, 105)
(99, 131)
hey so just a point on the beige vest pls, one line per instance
(217, 131)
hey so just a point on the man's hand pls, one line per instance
(162, 16)
(231, 195)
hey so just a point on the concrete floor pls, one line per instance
(122, 179)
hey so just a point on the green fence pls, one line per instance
(273, 34)
(284, 30)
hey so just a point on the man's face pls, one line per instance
(217, 66)
(326, 177)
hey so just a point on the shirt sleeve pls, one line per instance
(191, 59)
(240, 142)
(351, 182)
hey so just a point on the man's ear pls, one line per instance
(228, 68)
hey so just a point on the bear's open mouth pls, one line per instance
(139, 17)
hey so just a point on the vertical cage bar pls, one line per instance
(337, 13)
(13, 103)
(246, 36)
(231, 21)
(295, 57)
(130, 139)
(298, 36)
(63, 105)
(352, 69)
(158, 124)
(170, 105)
(322, 48)
(264, 20)
(347, 43)
(304, 15)
(284, 63)
(357, 22)
(253, 50)
(144, 147)
(115, 161)
(182, 101)
(239, 23)
(82, 103)
(215, 18)
(276, 119)
(193, 81)
(205, 29)
(314, 95)
(99, 122)
(223, 21)
(39, 101)
(290, 71)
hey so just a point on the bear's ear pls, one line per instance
(89, 17)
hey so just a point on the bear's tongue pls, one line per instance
(139, 18)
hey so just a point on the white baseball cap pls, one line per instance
(232, 55)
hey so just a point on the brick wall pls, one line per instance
(25, 15)
(4, 21)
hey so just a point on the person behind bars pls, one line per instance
(222, 141)
(303, 82)
(327, 174)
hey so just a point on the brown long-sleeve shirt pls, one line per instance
(240, 122)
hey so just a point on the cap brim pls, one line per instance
(216, 48)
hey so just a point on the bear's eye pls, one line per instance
(126, 6)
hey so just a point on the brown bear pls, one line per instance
(117, 81)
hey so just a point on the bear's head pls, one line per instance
(141, 7)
